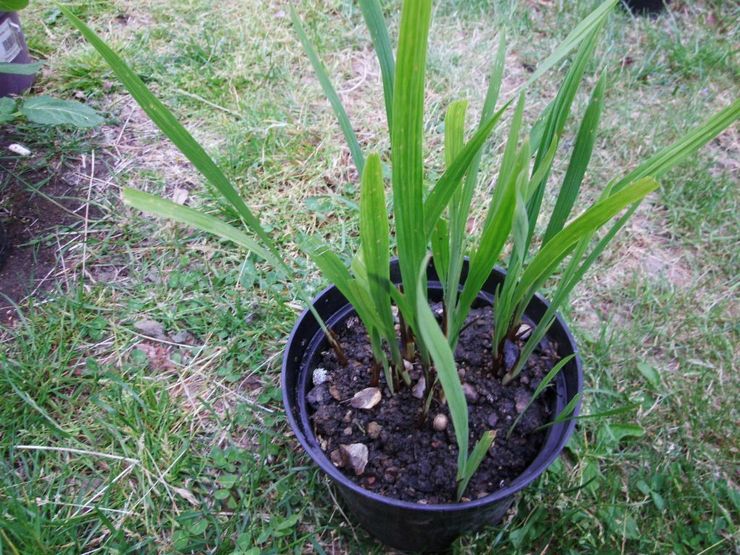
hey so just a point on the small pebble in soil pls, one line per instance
(492, 419)
(523, 331)
(522, 400)
(366, 398)
(418, 390)
(407, 365)
(336, 458)
(354, 456)
(470, 393)
(320, 375)
(373, 430)
(511, 354)
(318, 395)
(440, 422)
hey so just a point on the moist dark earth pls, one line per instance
(35, 201)
(407, 458)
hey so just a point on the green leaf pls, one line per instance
(374, 240)
(12, 5)
(7, 109)
(617, 432)
(578, 162)
(476, 457)
(451, 264)
(484, 257)
(447, 184)
(379, 33)
(692, 141)
(547, 259)
(168, 124)
(46, 110)
(581, 31)
(157, 206)
(440, 243)
(198, 527)
(20, 69)
(331, 94)
(406, 142)
(461, 204)
(558, 115)
(649, 373)
(444, 363)
(335, 271)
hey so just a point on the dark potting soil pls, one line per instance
(407, 458)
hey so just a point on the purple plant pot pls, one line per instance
(13, 49)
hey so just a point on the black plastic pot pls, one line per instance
(13, 49)
(645, 7)
(401, 524)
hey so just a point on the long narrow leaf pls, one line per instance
(578, 162)
(581, 31)
(331, 94)
(492, 240)
(692, 141)
(476, 457)
(374, 239)
(336, 272)
(168, 124)
(446, 185)
(454, 143)
(157, 206)
(379, 33)
(558, 248)
(556, 123)
(444, 362)
(540, 388)
(406, 141)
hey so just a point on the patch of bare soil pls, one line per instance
(37, 198)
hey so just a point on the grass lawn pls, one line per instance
(140, 394)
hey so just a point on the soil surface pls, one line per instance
(406, 457)
(35, 201)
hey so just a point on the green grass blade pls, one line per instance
(374, 239)
(578, 162)
(446, 185)
(540, 388)
(547, 259)
(379, 33)
(476, 457)
(444, 363)
(555, 123)
(581, 31)
(331, 94)
(157, 206)
(407, 139)
(168, 124)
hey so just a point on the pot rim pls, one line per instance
(530, 474)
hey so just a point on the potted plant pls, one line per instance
(17, 73)
(432, 393)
